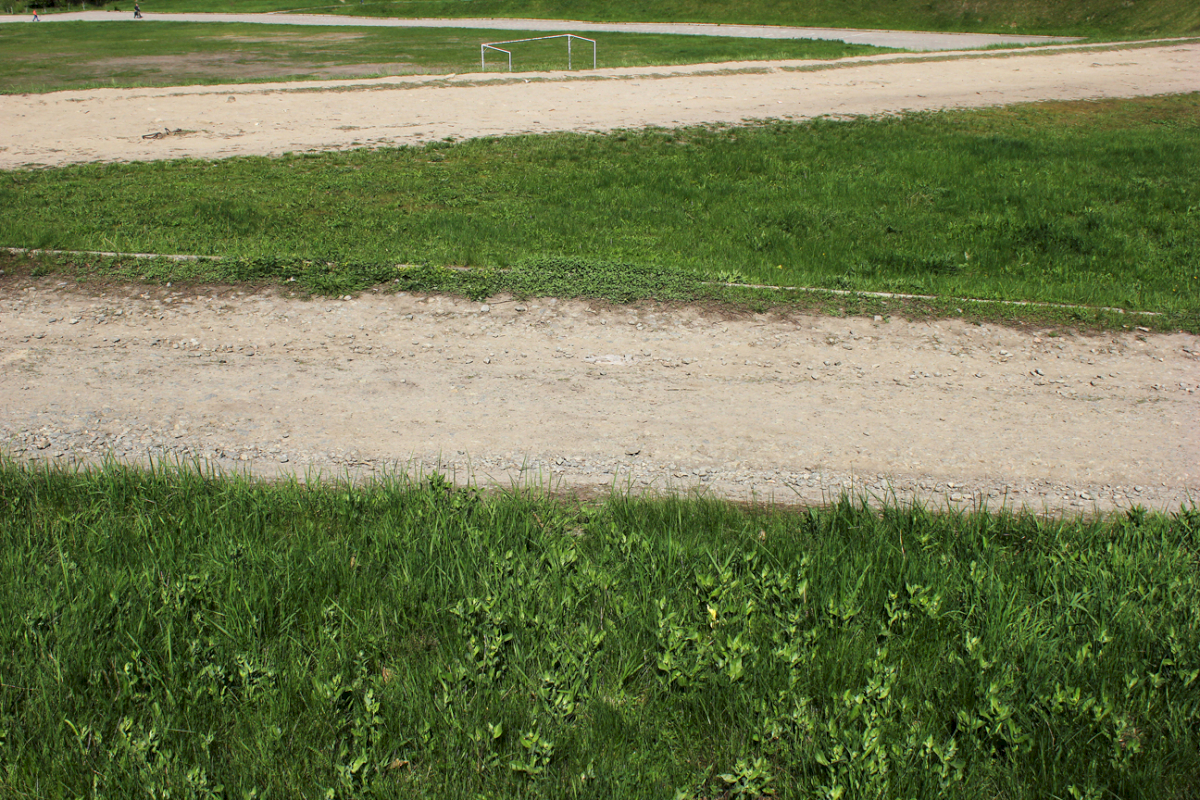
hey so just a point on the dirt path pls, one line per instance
(581, 396)
(905, 40)
(262, 119)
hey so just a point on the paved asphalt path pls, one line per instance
(905, 40)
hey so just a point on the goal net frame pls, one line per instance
(483, 48)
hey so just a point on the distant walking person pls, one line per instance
(35, 16)
(137, 10)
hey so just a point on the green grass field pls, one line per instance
(1100, 18)
(174, 633)
(170, 634)
(1062, 202)
(79, 55)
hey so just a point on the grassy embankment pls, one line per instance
(83, 55)
(1097, 18)
(172, 633)
(1062, 202)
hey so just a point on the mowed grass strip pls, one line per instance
(1086, 203)
(80, 55)
(174, 633)
(1101, 18)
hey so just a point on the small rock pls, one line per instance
(520, 308)
(632, 450)
(878, 318)
(74, 320)
(485, 308)
(283, 459)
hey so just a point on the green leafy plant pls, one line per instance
(749, 779)
(538, 751)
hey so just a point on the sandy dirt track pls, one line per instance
(580, 396)
(263, 119)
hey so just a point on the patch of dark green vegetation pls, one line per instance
(1078, 203)
(170, 632)
(75, 55)
(1071, 17)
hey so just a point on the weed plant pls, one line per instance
(174, 633)
(1063, 202)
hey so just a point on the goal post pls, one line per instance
(483, 48)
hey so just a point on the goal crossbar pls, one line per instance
(483, 48)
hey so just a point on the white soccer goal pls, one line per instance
(483, 48)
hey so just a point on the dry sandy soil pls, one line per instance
(584, 396)
(263, 119)
(580, 396)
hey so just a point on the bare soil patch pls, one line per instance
(288, 37)
(234, 66)
(581, 397)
